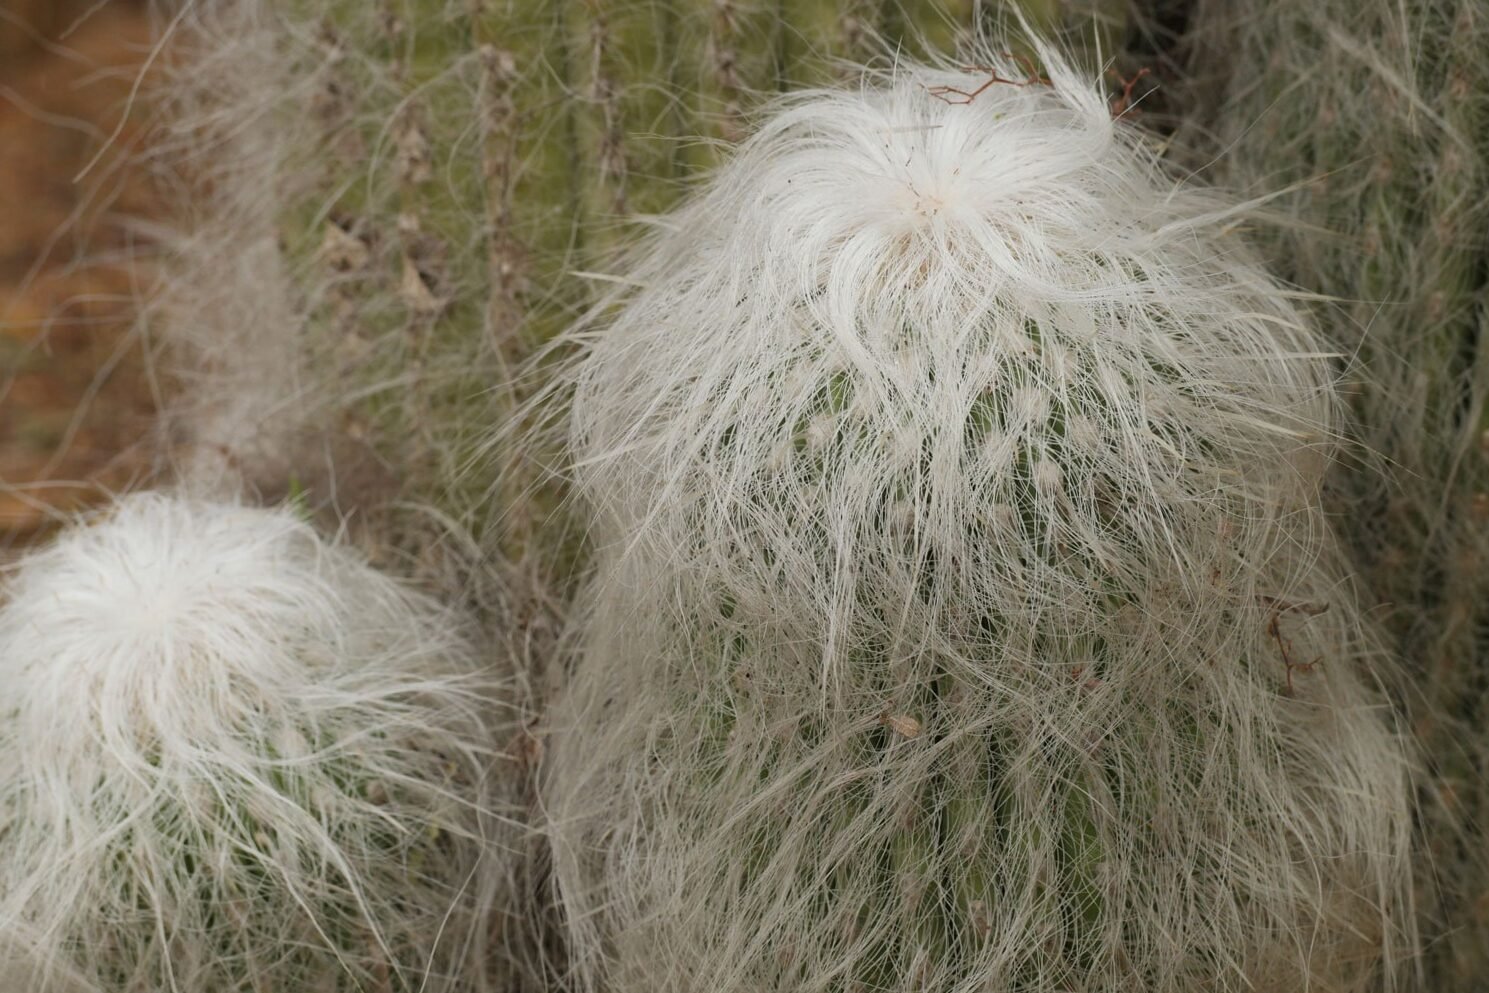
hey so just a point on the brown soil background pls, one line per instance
(75, 385)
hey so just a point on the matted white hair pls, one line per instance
(964, 618)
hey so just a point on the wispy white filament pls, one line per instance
(235, 757)
(964, 619)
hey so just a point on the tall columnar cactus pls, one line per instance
(964, 617)
(1379, 112)
(237, 758)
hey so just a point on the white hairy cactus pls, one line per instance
(235, 757)
(1121, 381)
(964, 618)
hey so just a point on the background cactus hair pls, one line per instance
(963, 613)
(238, 758)
(1373, 119)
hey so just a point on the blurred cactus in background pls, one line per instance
(1373, 117)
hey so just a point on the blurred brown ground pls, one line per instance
(74, 399)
